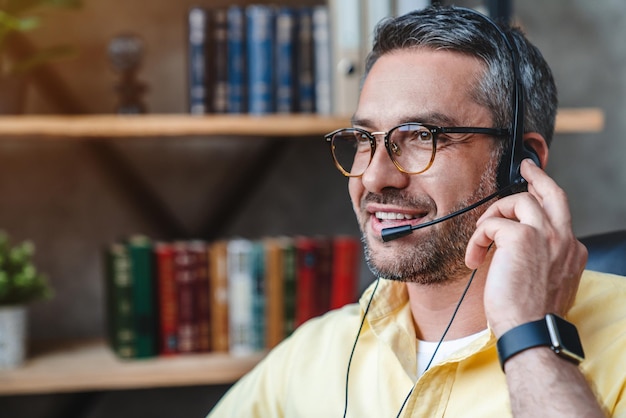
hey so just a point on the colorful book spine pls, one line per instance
(140, 250)
(167, 298)
(218, 274)
(184, 267)
(198, 27)
(285, 62)
(305, 92)
(323, 63)
(260, 52)
(323, 274)
(240, 297)
(345, 271)
(120, 325)
(236, 60)
(306, 265)
(274, 292)
(202, 296)
(290, 284)
(257, 271)
(219, 59)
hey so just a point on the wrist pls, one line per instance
(551, 331)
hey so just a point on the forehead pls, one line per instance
(422, 83)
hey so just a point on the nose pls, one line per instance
(382, 173)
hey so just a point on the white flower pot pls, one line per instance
(12, 336)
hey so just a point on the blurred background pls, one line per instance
(67, 196)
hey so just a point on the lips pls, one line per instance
(385, 217)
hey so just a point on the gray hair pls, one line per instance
(466, 32)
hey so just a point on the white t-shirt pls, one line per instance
(425, 350)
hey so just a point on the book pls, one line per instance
(240, 297)
(322, 61)
(323, 271)
(202, 296)
(347, 49)
(305, 76)
(260, 57)
(289, 253)
(257, 271)
(285, 61)
(184, 270)
(140, 252)
(305, 271)
(274, 291)
(119, 306)
(167, 299)
(218, 278)
(345, 271)
(198, 54)
(218, 71)
(236, 60)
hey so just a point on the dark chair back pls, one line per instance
(607, 252)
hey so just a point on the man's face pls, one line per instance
(432, 87)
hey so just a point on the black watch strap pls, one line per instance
(551, 331)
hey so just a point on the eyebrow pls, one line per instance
(433, 118)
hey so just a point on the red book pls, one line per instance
(323, 274)
(184, 271)
(201, 294)
(167, 299)
(305, 279)
(345, 276)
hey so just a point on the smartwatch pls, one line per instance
(552, 331)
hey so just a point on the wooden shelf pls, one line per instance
(92, 366)
(163, 125)
(570, 120)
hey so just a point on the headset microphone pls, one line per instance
(389, 234)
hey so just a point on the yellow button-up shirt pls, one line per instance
(305, 376)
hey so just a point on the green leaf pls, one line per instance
(11, 23)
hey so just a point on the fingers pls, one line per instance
(548, 194)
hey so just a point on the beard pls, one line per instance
(439, 255)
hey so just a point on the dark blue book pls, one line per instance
(260, 46)
(236, 61)
(285, 63)
(219, 67)
(198, 26)
(305, 73)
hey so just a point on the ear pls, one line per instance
(538, 144)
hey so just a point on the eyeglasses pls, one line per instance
(411, 146)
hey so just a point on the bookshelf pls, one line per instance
(569, 120)
(73, 366)
(91, 366)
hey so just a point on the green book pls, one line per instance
(140, 249)
(120, 322)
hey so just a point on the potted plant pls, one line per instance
(20, 284)
(18, 17)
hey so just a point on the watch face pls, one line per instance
(564, 338)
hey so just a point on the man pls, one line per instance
(427, 337)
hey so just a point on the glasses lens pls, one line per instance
(411, 146)
(352, 151)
